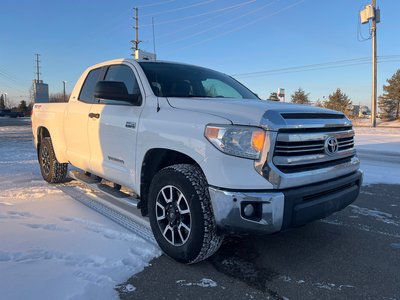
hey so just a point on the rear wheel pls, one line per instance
(52, 171)
(181, 214)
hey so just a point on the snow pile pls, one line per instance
(53, 247)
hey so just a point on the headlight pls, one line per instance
(242, 141)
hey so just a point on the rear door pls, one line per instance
(112, 130)
(76, 121)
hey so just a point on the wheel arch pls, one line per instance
(154, 160)
(43, 132)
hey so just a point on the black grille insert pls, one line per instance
(314, 166)
(311, 116)
(312, 130)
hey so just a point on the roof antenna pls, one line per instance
(154, 39)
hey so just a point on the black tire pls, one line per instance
(52, 171)
(201, 241)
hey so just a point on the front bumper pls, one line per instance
(268, 212)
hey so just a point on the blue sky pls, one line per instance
(235, 37)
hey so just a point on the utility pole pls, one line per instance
(374, 71)
(37, 68)
(136, 42)
(64, 82)
(370, 12)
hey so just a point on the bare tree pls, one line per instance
(58, 97)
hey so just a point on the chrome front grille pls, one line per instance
(298, 150)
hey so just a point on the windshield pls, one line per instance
(177, 80)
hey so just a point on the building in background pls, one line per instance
(40, 91)
(360, 111)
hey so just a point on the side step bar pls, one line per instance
(96, 184)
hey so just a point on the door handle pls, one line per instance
(93, 115)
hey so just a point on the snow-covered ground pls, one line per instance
(365, 122)
(379, 152)
(53, 247)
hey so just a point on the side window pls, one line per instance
(87, 91)
(124, 74)
(217, 88)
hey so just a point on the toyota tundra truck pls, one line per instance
(202, 154)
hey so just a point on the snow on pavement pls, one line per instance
(53, 247)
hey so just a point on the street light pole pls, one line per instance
(64, 83)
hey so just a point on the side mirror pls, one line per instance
(115, 90)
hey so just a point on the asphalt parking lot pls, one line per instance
(354, 254)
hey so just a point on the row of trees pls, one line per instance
(23, 106)
(336, 101)
(26, 108)
(389, 101)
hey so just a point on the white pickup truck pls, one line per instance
(204, 156)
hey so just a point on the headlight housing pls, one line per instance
(241, 141)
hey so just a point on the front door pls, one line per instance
(112, 131)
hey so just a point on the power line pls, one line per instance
(233, 7)
(11, 76)
(179, 8)
(226, 11)
(278, 72)
(242, 26)
(322, 68)
(8, 78)
(221, 24)
(305, 66)
(10, 83)
(116, 23)
(319, 66)
(156, 4)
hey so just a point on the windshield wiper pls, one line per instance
(199, 96)
(190, 96)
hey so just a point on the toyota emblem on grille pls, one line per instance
(331, 145)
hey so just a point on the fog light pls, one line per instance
(248, 210)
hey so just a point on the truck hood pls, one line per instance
(270, 114)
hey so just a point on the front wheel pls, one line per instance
(181, 214)
(52, 171)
